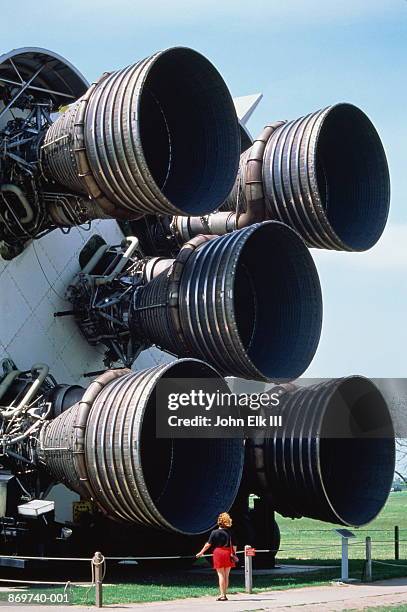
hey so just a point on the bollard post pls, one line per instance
(97, 565)
(368, 570)
(248, 570)
(346, 535)
(345, 560)
(396, 543)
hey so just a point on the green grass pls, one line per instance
(307, 539)
(179, 586)
(303, 541)
(402, 608)
(396, 608)
(164, 586)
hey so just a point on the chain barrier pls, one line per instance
(387, 563)
(293, 548)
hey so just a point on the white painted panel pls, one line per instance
(63, 499)
(32, 288)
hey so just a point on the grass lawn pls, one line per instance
(177, 586)
(302, 541)
(162, 586)
(401, 608)
(309, 539)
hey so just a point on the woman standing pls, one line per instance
(224, 552)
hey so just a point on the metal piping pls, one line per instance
(42, 369)
(251, 207)
(94, 260)
(79, 425)
(29, 213)
(67, 210)
(246, 198)
(121, 264)
(216, 224)
(68, 432)
(8, 381)
(155, 266)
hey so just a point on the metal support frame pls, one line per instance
(32, 81)
(23, 86)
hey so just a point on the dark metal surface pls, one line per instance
(63, 397)
(249, 303)
(334, 458)
(178, 485)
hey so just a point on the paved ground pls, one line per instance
(308, 599)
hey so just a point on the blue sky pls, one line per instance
(302, 55)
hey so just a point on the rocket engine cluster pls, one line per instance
(215, 269)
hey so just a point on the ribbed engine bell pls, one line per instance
(105, 447)
(160, 136)
(248, 302)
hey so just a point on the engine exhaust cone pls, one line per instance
(114, 457)
(335, 459)
(248, 302)
(326, 175)
(160, 136)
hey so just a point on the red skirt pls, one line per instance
(221, 557)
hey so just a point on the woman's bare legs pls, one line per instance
(227, 573)
(222, 581)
